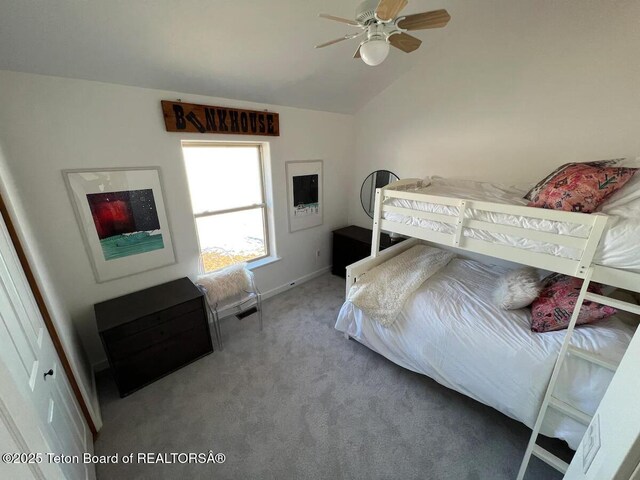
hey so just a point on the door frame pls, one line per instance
(46, 316)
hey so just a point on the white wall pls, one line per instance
(48, 124)
(506, 92)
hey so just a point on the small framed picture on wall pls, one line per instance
(304, 194)
(122, 219)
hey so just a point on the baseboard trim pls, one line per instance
(298, 281)
(104, 364)
(95, 404)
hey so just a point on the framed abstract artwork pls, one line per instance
(122, 219)
(304, 194)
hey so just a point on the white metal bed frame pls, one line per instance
(583, 267)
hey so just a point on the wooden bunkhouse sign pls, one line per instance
(189, 117)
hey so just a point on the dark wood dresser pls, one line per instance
(351, 244)
(153, 332)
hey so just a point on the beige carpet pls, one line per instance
(298, 401)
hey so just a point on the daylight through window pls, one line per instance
(226, 182)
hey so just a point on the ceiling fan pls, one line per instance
(378, 20)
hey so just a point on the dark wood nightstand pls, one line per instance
(351, 244)
(153, 332)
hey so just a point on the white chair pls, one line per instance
(230, 291)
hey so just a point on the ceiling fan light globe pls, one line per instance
(373, 52)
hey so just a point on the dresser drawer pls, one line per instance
(160, 359)
(123, 347)
(150, 321)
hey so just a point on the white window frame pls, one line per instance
(264, 205)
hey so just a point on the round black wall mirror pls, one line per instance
(377, 179)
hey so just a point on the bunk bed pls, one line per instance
(552, 382)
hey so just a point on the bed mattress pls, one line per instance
(450, 330)
(616, 249)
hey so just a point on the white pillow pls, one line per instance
(517, 288)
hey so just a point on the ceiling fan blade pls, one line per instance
(405, 42)
(420, 21)
(339, 19)
(387, 10)
(357, 54)
(348, 36)
(326, 44)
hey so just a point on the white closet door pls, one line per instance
(29, 355)
(10, 444)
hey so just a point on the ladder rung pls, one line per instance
(613, 302)
(590, 357)
(569, 410)
(550, 459)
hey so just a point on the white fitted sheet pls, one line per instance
(451, 331)
(616, 249)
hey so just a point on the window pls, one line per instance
(226, 182)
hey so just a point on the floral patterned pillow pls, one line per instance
(553, 308)
(616, 162)
(579, 187)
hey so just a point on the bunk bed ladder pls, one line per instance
(550, 401)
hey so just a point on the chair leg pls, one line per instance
(259, 308)
(211, 321)
(216, 326)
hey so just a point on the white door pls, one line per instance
(29, 359)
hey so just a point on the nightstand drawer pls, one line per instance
(351, 244)
(153, 320)
(124, 347)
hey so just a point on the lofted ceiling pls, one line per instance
(253, 50)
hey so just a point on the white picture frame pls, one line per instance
(305, 202)
(122, 219)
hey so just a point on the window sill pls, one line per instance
(263, 262)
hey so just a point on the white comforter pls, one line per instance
(451, 331)
(617, 247)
